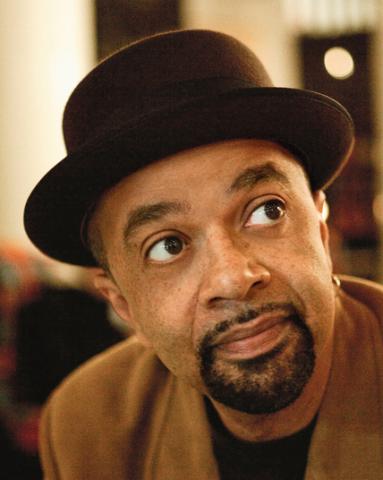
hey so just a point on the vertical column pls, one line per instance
(46, 46)
(260, 24)
(378, 111)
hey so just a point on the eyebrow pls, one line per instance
(254, 175)
(145, 214)
(247, 179)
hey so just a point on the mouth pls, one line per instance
(257, 337)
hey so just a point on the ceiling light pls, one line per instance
(339, 63)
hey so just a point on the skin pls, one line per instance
(232, 256)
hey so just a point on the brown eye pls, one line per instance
(267, 213)
(274, 209)
(173, 245)
(166, 248)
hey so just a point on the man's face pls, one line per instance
(219, 255)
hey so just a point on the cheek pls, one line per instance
(168, 326)
(308, 245)
(163, 310)
(303, 264)
(165, 293)
(299, 257)
(162, 298)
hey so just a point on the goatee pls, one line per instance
(266, 383)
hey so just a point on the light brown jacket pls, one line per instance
(124, 416)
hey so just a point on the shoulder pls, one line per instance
(120, 371)
(366, 292)
(94, 419)
(117, 387)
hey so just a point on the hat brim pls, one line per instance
(314, 125)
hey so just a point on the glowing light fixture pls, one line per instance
(339, 63)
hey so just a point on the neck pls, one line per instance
(295, 417)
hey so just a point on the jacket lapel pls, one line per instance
(348, 440)
(185, 447)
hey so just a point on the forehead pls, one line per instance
(204, 163)
(198, 181)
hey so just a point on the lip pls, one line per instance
(255, 338)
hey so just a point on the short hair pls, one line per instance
(96, 246)
(92, 238)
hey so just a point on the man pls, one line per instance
(198, 188)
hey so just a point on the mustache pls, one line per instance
(246, 315)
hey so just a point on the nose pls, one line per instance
(232, 271)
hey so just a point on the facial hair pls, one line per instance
(267, 383)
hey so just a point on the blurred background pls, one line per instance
(51, 320)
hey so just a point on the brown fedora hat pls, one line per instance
(164, 94)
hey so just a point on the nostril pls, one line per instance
(239, 293)
(261, 282)
(216, 301)
(221, 303)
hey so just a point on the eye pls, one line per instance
(165, 249)
(267, 213)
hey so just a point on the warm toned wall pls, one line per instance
(46, 46)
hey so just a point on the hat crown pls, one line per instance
(154, 74)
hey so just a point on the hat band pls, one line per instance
(200, 87)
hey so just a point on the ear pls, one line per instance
(110, 290)
(320, 203)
